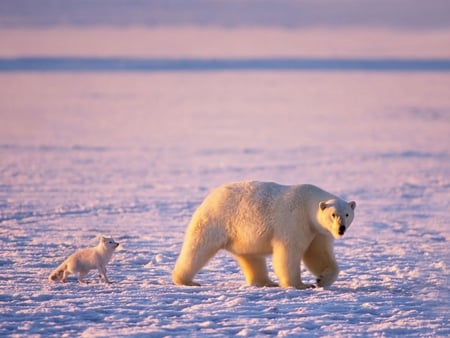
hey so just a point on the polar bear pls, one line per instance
(252, 220)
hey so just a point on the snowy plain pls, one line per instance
(132, 154)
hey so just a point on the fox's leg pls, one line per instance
(102, 271)
(65, 273)
(81, 275)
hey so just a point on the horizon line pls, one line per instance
(142, 64)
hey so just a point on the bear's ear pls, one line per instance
(322, 205)
(352, 204)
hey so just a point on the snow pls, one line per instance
(132, 155)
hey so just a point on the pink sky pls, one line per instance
(226, 28)
(219, 42)
(397, 14)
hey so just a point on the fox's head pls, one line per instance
(108, 243)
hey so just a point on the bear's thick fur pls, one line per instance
(254, 219)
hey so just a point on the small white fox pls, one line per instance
(83, 261)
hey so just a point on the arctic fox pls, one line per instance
(83, 261)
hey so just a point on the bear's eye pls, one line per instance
(334, 215)
(346, 215)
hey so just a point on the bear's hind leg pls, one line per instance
(255, 270)
(193, 257)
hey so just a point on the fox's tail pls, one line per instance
(57, 274)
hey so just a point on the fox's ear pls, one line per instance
(352, 204)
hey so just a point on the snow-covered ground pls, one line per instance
(132, 155)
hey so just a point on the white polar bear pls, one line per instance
(255, 219)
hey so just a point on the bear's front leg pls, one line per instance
(328, 276)
(319, 259)
(255, 270)
(286, 263)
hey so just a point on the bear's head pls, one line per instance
(336, 215)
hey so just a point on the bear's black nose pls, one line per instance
(341, 229)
